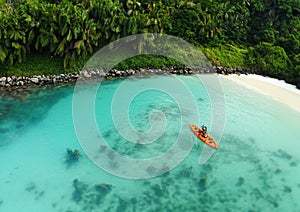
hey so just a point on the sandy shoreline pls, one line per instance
(278, 89)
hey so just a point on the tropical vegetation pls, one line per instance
(263, 35)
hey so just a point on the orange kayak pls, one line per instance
(208, 141)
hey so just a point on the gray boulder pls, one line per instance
(85, 74)
(20, 83)
(35, 80)
(3, 79)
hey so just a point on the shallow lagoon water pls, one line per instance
(255, 168)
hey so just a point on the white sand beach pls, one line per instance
(278, 89)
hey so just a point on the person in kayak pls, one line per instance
(203, 131)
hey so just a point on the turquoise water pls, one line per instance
(256, 167)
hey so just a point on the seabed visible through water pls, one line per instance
(256, 167)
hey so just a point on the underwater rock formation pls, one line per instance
(202, 184)
(186, 172)
(85, 195)
(103, 189)
(159, 190)
(30, 187)
(79, 189)
(72, 156)
(283, 155)
(287, 189)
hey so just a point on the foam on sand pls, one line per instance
(278, 89)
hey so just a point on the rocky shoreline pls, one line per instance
(13, 82)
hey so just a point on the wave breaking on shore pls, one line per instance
(278, 89)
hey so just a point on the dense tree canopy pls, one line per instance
(268, 29)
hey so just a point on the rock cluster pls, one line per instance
(38, 80)
(238, 71)
(85, 74)
(14, 81)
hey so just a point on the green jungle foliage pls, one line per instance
(262, 35)
(148, 61)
